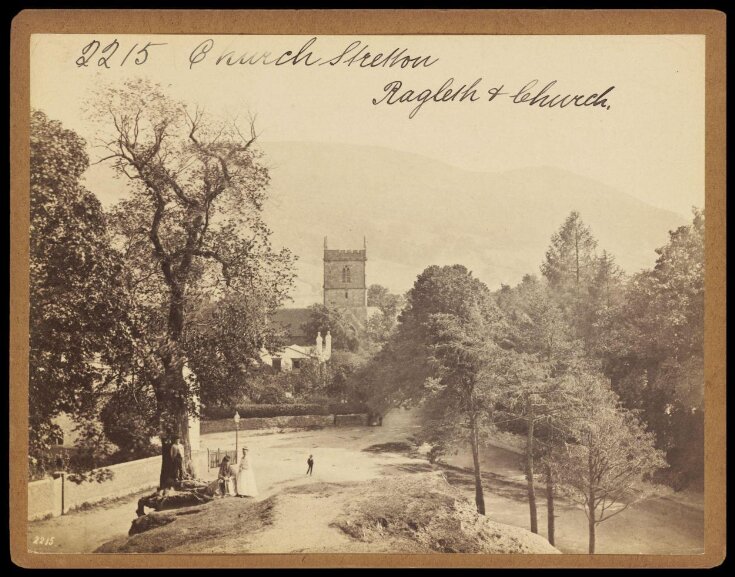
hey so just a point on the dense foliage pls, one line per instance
(602, 373)
(78, 304)
(345, 331)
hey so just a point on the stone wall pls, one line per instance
(55, 497)
(351, 420)
(302, 421)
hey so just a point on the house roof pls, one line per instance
(295, 352)
(291, 321)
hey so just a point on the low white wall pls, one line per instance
(45, 497)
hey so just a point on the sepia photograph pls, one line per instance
(366, 293)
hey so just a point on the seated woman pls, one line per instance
(226, 477)
(246, 477)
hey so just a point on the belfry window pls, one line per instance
(346, 274)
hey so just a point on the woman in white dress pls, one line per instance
(246, 486)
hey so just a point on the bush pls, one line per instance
(282, 410)
(267, 410)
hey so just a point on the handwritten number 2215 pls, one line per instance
(106, 53)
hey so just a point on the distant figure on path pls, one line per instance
(246, 486)
(310, 462)
(225, 477)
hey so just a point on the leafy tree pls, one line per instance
(129, 420)
(388, 378)
(606, 294)
(453, 327)
(192, 226)
(345, 331)
(381, 325)
(654, 350)
(268, 386)
(377, 295)
(610, 458)
(570, 258)
(340, 371)
(223, 344)
(569, 267)
(78, 306)
(538, 395)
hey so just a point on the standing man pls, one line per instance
(310, 462)
(177, 457)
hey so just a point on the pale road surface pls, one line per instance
(657, 526)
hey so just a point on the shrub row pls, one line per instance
(290, 410)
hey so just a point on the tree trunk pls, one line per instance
(550, 504)
(479, 496)
(591, 506)
(174, 396)
(529, 467)
(592, 524)
(189, 465)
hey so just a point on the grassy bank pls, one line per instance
(419, 513)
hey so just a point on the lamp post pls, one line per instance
(237, 431)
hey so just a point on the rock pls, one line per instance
(190, 492)
(150, 521)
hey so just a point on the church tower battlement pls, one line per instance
(345, 283)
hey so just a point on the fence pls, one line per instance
(214, 458)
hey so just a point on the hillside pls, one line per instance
(409, 513)
(416, 211)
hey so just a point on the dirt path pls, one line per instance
(301, 524)
(83, 531)
(306, 505)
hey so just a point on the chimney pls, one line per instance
(328, 346)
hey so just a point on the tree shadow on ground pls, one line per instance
(392, 447)
(464, 478)
(409, 468)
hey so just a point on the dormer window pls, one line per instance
(346, 274)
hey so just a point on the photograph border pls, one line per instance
(710, 23)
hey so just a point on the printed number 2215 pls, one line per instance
(37, 540)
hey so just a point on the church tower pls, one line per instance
(345, 285)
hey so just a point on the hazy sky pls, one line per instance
(649, 143)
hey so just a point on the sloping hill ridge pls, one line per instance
(416, 211)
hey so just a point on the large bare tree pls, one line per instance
(192, 228)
